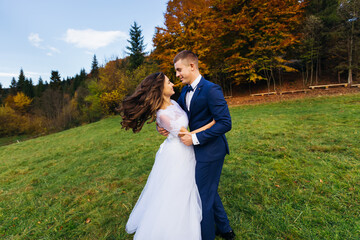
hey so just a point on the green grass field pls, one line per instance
(293, 173)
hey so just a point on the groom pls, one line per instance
(203, 101)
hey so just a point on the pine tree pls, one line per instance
(55, 80)
(29, 88)
(21, 82)
(137, 47)
(77, 81)
(40, 88)
(13, 87)
(94, 68)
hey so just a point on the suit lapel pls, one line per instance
(196, 94)
(182, 99)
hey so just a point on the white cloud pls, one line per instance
(2, 74)
(35, 39)
(53, 49)
(27, 74)
(34, 74)
(6, 77)
(92, 39)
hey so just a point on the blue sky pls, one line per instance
(44, 35)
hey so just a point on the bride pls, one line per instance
(169, 206)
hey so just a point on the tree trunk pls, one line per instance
(317, 68)
(273, 78)
(351, 53)
(312, 64)
(319, 65)
(280, 80)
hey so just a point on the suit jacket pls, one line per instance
(208, 103)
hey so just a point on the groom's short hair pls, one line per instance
(189, 55)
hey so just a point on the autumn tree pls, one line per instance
(111, 84)
(21, 102)
(11, 123)
(133, 78)
(114, 83)
(258, 34)
(183, 19)
(235, 40)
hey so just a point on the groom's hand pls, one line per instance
(161, 130)
(186, 139)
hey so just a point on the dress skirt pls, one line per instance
(169, 207)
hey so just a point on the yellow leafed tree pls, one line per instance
(22, 102)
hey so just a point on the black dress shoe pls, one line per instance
(227, 236)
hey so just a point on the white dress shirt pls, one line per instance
(190, 94)
(188, 98)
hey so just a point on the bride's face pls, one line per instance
(168, 88)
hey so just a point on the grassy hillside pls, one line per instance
(293, 173)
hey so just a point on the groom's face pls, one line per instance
(184, 71)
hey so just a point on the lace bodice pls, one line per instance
(172, 119)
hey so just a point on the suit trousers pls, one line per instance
(207, 175)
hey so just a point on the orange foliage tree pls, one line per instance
(259, 33)
(182, 25)
(235, 39)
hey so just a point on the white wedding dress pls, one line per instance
(169, 207)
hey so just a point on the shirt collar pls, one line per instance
(196, 82)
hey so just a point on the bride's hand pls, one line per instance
(183, 131)
(186, 138)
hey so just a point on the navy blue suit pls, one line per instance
(208, 103)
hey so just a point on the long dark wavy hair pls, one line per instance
(142, 105)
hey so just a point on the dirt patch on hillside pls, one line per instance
(248, 100)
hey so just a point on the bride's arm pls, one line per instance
(203, 128)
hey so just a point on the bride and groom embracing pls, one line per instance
(180, 200)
